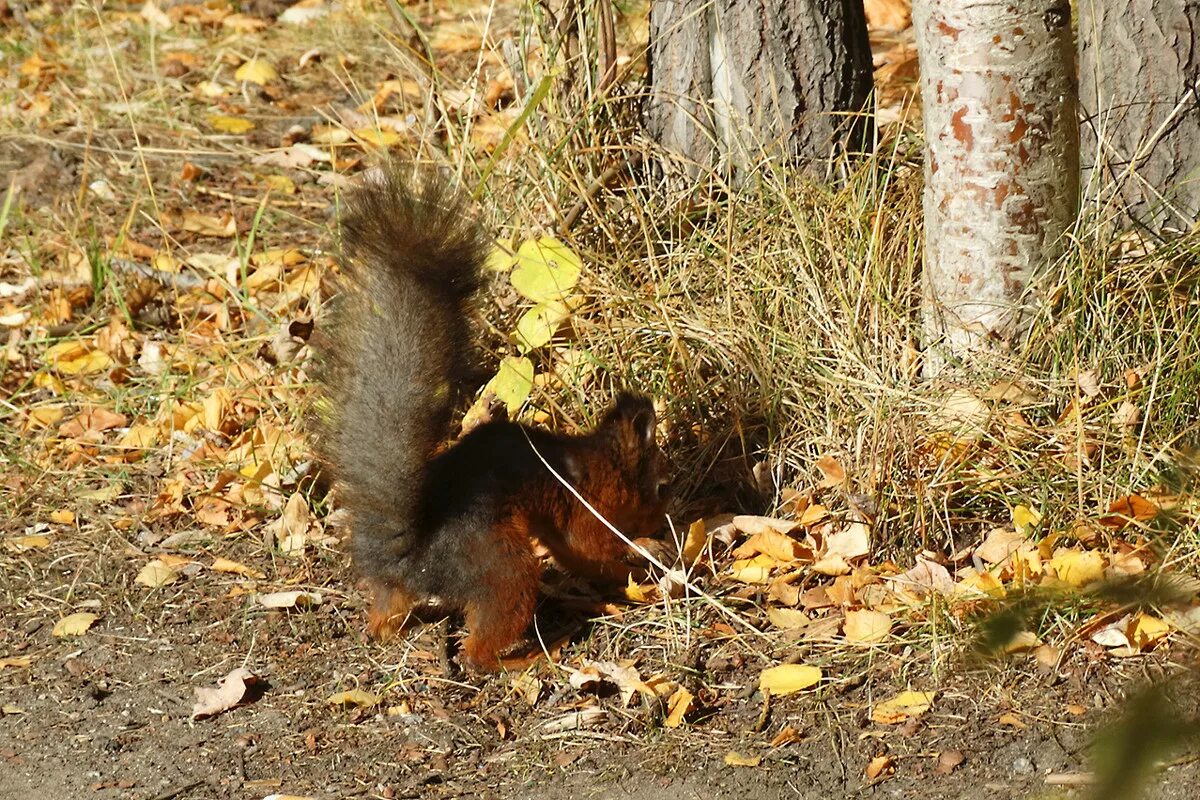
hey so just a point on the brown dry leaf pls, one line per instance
(627, 679)
(75, 624)
(227, 693)
(789, 678)
(947, 761)
(903, 706)
(880, 764)
(15, 661)
(527, 687)
(786, 736)
(813, 514)
(866, 627)
(738, 760)
(1127, 416)
(677, 706)
(832, 472)
(224, 226)
(236, 568)
(1132, 506)
(925, 577)
(1012, 720)
(92, 419)
(1089, 383)
(831, 565)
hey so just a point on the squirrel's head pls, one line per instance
(627, 431)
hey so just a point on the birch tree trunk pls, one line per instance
(1001, 167)
(1139, 62)
(734, 81)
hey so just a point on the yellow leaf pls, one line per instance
(693, 545)
(833, 473)
(679, 705)
(901, 707)
(378, 138)
(235, 125)
(812, 515)
(237, 568)
(1077, 567)
(156, 573)
(753, 570)
(1012, 720)
(739, 760)
(984, 583)
(787, 618)
(77, 358)
(880, 764)
(866, 626)
(19, 544)
(51, 383)
(15, 661)
(546, 269)
(789, 678)
(256, 70)
(43, 417)
(778, 546)
(280, 183)
(353, 697)
(62, 516)
(1025, 519)
(75, 624)
(502, 257)
(538, 325)
(636, 593)
(1145, 630)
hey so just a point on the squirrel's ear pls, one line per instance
(637, 412)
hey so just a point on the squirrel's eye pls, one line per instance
(663, 489)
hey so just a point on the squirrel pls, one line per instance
(454, 524)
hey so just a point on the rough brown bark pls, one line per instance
(1139, 61)
(733, 81)
(1001, 167)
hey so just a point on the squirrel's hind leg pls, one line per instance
(501, 604)
(390, 610)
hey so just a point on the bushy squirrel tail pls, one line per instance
(395, 348)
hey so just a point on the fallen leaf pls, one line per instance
(228, 692)
(778, 546)
(864, 626)
(19, 544)
(294, 599)
(738, 760)
(832, 472)
(75, 624)
(62, 517)
(353, 697)
(538, 325)
(789, 678)
(1077, 567)
(753, 570)
(15, 661)
(236, 568)
(234, 125)
(546, 269)
(786, 736)
(947, 761)
(880, 764)
(1131, 506)
(693, 545)
(526, 686)
(256, 70)
(677, 706)
(851, 543)
(787, 618)
(1012, 721)
(903, 706)
(156, 573)
(1145, 630)
(1025, 519)
(999, 544)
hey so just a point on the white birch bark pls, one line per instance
(1001, 167)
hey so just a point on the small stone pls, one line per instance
(1022, 766)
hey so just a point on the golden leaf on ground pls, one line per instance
(636, 593)
(1025, 519)
(1077, 567)
(753, 570)
(980, 583)
(1022, 642)
(999, 545)
(902, 707)
(786, 736)
(19, 544)
(257, 70)
(677, 706)
(787, 618)
(1144, 630)
(353, 697)
(156, 573)
(693, 545)
(865, 626)
(75, 624)
(738, 760)
(223, 227)
(43, 417)
(77, 358)
(778, 546)
(15, 661)
(831, 565)
(293, 599)
(234, 125)
(1012, 720)
(812, 514)
(789, 678)
(538, 325)
(753, 525)
(832, 472)
(237, 568)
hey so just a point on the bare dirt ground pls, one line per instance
(132, 149)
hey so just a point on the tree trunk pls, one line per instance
(1001, 167)
(1139, 61)
(735, 81)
